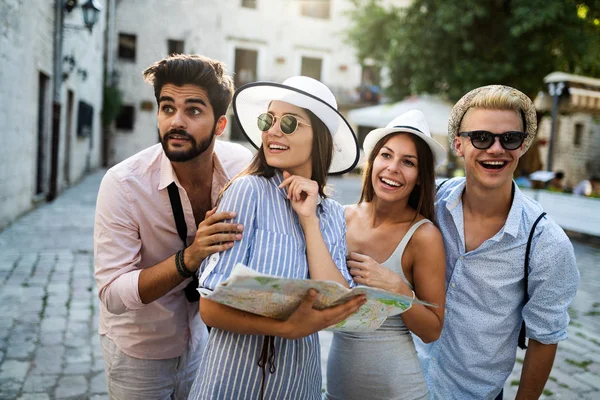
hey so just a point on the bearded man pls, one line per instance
(155, 225)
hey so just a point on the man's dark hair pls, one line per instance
(193, 69)
(559, 175)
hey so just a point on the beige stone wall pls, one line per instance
(27, 30)
(577, 161)
(25, 51)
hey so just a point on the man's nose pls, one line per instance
(178, 121)
(496, 147)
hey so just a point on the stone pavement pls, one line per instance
(49, 346)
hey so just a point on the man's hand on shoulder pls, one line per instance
(213, 236)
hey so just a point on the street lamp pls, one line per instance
(91, 12)
(556, 90)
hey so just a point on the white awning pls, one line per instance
(571, 78)
(436, 113)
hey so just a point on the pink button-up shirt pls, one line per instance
(135, 229)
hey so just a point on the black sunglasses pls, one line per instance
(483, 140)
(287, 122)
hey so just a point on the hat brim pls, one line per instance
(253, 99)
(439, 153)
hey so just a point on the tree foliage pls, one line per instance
(449, 47)
(112, 101)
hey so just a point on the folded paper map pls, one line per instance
(277, 297)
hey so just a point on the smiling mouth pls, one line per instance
(278, 147)
(389, 182)
(493, 164)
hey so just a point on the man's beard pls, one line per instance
(180, 155)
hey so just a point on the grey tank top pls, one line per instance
(394, 263)
(379, 365)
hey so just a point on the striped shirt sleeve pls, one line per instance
(336, 224)
(241, 198)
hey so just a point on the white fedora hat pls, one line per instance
(412, 121)
(253, 99)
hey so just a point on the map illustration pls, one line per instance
(276, 297)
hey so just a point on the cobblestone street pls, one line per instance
(49, 347)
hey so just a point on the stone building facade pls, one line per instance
(577, 144)
(576, 148)
(258, 40)
(37, 161)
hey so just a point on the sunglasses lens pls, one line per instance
(288, 124)
(482, 139)
(512, 140)
(264, 122)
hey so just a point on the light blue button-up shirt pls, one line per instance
(485, 294)
(273, 243)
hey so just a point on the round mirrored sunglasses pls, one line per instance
(287, 123)
(483, 140)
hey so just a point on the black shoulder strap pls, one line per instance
(522, 344)
(190, 291)
(178, 212)
(441, 183)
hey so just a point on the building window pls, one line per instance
(245, 66)
(249, 3)
(311, 67)
(127, 46)
(125, 118)
(174, 46)
(245, 71)
(578, 134)
(370, 84)
(85, 119)
(316, 8)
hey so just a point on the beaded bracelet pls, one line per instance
(180, 265)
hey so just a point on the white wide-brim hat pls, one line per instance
(414, 122)
(253, 99)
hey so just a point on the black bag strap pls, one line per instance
(522, 343)
(178, 212)
(190, 291)
(441, 183)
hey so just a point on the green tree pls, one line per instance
(452, 46)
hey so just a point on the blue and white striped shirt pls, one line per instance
(485, 294)
(273, 243)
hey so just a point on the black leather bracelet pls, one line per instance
(180, 265)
